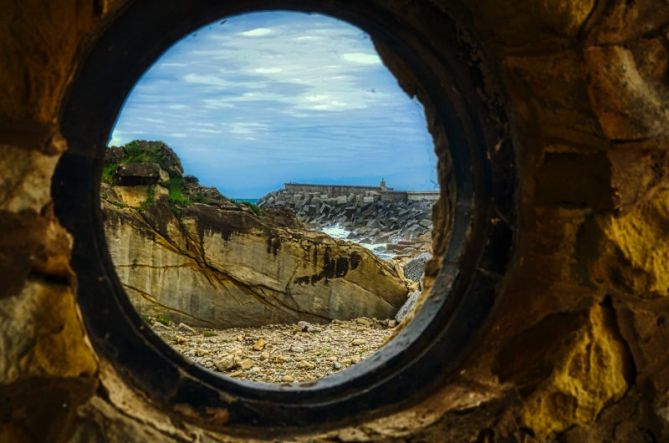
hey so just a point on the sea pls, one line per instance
(253, 201)
(379, 249)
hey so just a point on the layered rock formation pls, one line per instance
(188, 253)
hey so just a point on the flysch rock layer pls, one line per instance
(223, 266)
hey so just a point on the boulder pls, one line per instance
(139, 174)
(408, 307)
(415, 268)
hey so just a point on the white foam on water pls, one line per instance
(338, 232)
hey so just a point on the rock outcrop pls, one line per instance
(393, 222)
(190, 254)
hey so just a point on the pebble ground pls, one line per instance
(282, 354)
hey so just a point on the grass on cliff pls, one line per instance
(150, 199)
(139, 152)
(179, 195)
(177, 191)
(257, 210)
(108, 173)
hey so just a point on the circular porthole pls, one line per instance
(480, 185)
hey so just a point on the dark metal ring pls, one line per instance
(423, 355)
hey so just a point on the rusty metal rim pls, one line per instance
(424, 354)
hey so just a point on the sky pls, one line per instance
(258, 100)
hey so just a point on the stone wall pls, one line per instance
(363, 193)
(333, 190)
(577, 348)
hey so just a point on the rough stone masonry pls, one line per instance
(577, 349)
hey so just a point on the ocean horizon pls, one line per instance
(253, 201)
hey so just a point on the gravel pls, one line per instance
(282, 354)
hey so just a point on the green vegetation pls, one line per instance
(150, 198)
(108, 172)
(209, 334)
(142, 151)
(177, 191)
(160, 318)
(139, 151)
(257, 210)
(179, 195)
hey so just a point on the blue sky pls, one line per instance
(261, 99)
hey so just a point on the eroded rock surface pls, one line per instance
(196, 257)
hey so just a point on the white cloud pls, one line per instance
(323, 102)
(260, 97)
(152, 120)
(174, 65)
(246, 130)
(178, 107)
(179, 135)
(218, 103)
(215, 81)
(207, 131)
(257, 32)
(361, 58)
(208, 80)
(267, 70)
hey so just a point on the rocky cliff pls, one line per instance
(188, 253)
